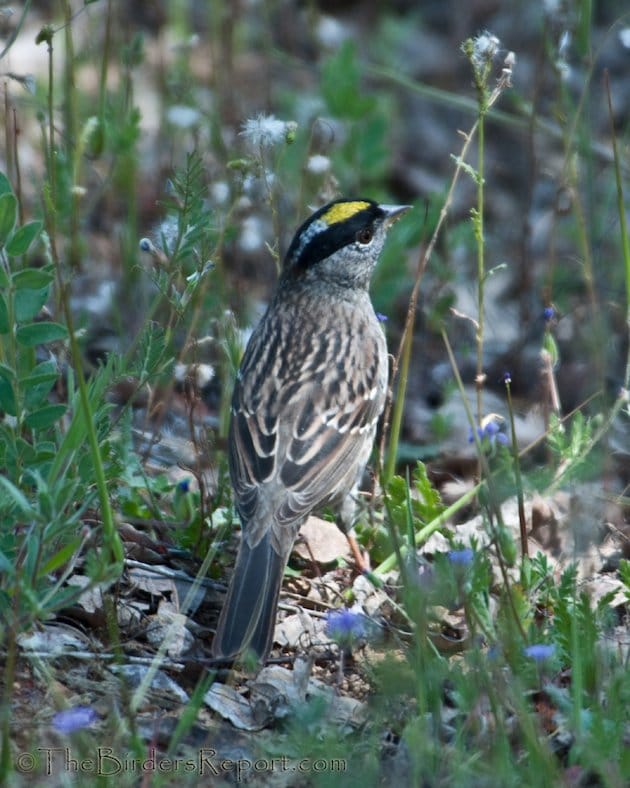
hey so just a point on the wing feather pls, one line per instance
(299, 438)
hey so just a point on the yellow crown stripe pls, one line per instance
(343, 210)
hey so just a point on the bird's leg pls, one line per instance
(363, 563)
(347, 518)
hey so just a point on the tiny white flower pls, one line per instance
(331, 33)
(251, 238)
(485, 47)
(564, 69)
(552, 7)
(318, 164)
(253, 185)
(220, 192)
(202, 373)
(565, 43)
(167, 233)
(508, 67)
(183, 117)
(264, 131)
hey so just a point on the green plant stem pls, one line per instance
(577, 672)
(70, 131)
(398, 408)
(111, 537)
(52, 154)
(105, 61)
(9, 680)
(430, 528)
(517, 475)
(479, 235)
(623, 224)
(493, 506)
(425, 256)
(423, 260)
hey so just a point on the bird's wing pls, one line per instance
(305, 441)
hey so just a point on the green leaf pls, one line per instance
(45, 417)
(46, 372)
(8, 215)
(39, 333)
(5, 184)
(60, 558)
(429, 504)
(37, 385)
(25, 452)
(549, 344)
(28, 304)
(23, 238)
(8, 402)
(7, 372)
(341, 87)
(46, 450)
(372, 151)
(4, 316)
(32, 278)
(4, 279)
(6, 566)
(11, 496)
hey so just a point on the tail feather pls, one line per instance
(248, 616)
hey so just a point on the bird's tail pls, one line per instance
(248, 616)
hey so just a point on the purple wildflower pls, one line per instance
(184, 485)
(507, 378)
(75, 719)
(345, 626)
(548, 314)
(490, 431)
(539, 652)
(381, 317)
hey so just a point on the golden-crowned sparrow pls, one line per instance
(307, 397)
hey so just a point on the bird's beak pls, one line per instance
(394, 212)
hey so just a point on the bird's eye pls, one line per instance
(365, 235)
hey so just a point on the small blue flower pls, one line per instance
(381, 317)
(507, 378)
(490, 431)
(548, 314)
(461, 557)
(539, 652)
(345, 626)
(75, 719)
(184, 485)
